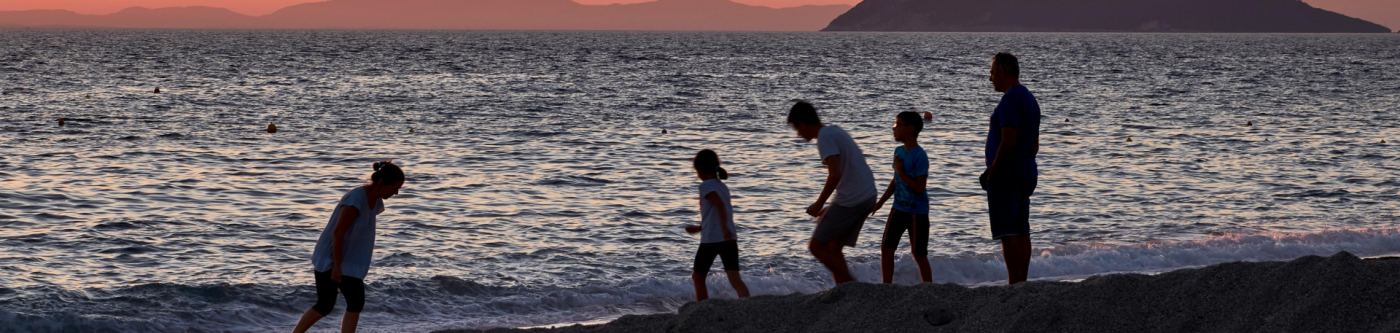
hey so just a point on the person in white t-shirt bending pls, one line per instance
(716, 227)
(839, 224)
(342, 255)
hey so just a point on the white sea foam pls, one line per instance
(443, 302)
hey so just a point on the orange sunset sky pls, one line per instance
(1384, 12)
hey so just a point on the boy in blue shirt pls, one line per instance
(909, 188)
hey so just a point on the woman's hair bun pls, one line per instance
(382, 164)
(386, 172)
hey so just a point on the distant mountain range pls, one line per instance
(695, 15)
(1097, 15)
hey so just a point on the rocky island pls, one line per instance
(1284, 16)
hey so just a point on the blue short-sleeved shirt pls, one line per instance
(915, 165)
(1018, 109)
(358, 242)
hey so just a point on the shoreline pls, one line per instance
(1340, 293)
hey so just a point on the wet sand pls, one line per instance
(1341, 293)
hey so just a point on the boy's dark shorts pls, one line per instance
(843, 224)
(917, 224)
(1009, 206)
(728, 253)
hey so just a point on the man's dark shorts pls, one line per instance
(843, 224)
(1009, 205)
(728, 253)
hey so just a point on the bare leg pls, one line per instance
(1009, 251)
(925, 272)
(701, 293)
(307, 319)
(829, 254)
(921, 259)
(1025, 257)
(1017, 252)
(738, 283)
(887, 264)
(349, 321)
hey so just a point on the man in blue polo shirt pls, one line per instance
(1012, 143)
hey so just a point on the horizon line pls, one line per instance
(311, 2)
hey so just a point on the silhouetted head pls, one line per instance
(907, 126)
(386, 180)
(707, 165)
(1006, 72)
(803, 118)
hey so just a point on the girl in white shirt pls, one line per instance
(716, 227)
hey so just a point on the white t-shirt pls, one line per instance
(857, 182)
(710, 231)
(359, 241)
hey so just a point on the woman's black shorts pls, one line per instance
(353, 288)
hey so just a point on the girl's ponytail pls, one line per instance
(707, 162)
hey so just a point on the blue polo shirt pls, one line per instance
(1018, 109)
(915, 165)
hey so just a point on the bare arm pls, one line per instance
(889, 191)
(718, 204)
(1008, 142)
(348, 215)
(833, 177)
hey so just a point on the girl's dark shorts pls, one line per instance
(728, 253)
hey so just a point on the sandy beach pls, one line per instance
(1341, 293)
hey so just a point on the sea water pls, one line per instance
(542, 190)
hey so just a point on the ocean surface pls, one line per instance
(542, 190)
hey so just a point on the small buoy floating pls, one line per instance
(1130, 139)
(61, 121)
(663, 131)
(1247, 124)
(271, 128)
(157, 90)
(89, 96)
(1066, 119)
(410, 130)
(928, 115)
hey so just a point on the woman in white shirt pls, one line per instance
(342, 256)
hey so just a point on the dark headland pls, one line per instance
(1291, 16)
(685, 15)
(1341, 293)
